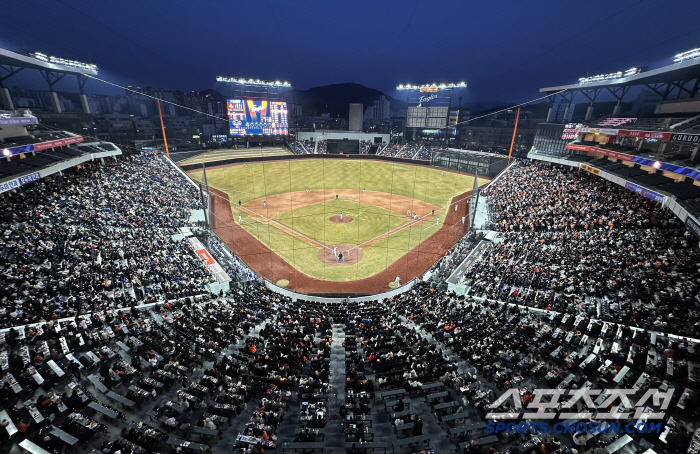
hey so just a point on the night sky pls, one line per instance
(504, 50)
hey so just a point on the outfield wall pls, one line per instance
(224, 162)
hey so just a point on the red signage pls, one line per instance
(204, 255)
(645, 134)
(612, 154)
(615, 154)
(57, 143)
(579, 147)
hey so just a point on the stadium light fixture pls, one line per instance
(615, 75)
(243, 81)
(432, 86)
(687, 55)
(63, 61)
(6, 152)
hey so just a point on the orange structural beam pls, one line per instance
(160, 113)
(517, 117)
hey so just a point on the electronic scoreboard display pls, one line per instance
(257, 118)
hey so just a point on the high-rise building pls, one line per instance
(355, 117)
(381, 108)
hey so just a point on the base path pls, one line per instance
(268, 264)
(265, 209)
(275, 204)
(350, 255)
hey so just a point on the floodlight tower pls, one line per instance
(254, 85)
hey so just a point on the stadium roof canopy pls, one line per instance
(674, 75)
(16, 60)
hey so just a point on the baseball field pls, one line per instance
(336, 220)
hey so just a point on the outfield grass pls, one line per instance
(266, 179)
(259, 180)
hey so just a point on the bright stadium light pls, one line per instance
(688, 55)
(615, 75)
(63, 61)
(242, 81)
(432, 86)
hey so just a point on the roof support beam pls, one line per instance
(655, 89)
(82, 79)
(696, 86)
(11, 71)
(591, 94)
(52, 78)
(568, 96)
(681, 87)
(619, 93)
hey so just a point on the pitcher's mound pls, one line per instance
(345, 219)
(349, 256)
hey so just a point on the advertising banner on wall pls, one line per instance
(645, 134)
(17, 121)
(57, 143)
(611, 154)
(644, 192)
(606, 131)
(692, 226)
(693, 138)
(688, 172)
(19, 181)
(590, 169)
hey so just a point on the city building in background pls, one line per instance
(355, 117)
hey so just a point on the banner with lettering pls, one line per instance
(590, 169)
(644, 134)
(17, 121)
(603, 151)
(57, 143)
(644, 192)
(692, 138)
(692, 226)
(19, 181)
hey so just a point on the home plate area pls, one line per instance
(351, 254)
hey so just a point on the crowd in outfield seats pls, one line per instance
(407, 150)
(298, 147)
(364, 146)
(410, 150)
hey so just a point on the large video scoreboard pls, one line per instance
(427, 108)
(257, 118)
